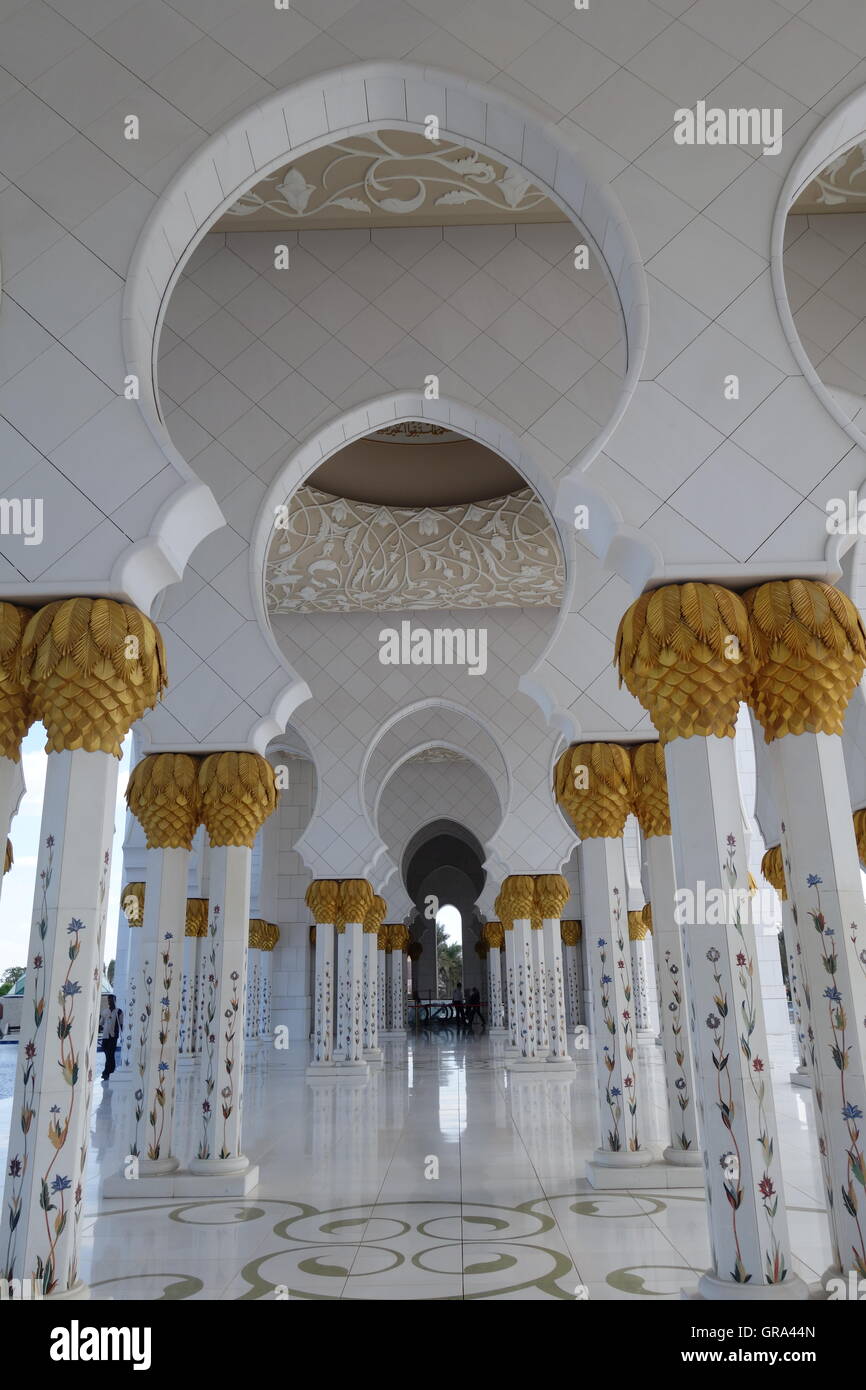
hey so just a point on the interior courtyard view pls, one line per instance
(432, 593)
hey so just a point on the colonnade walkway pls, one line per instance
(442, 1176)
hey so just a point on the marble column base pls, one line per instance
(158, 1167)
(188, 1183)
(391, 1033)
(646, 1035)
(374, 1056)
(618, 1172)
(519, 1063)
(320, 1069)
(801, 1078)
(560, 1063)
(497, 1032)
(726, 1291)
(683, 1158)
(186, 1060)
(354, 1068)
(79, 1293)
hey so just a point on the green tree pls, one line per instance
(10, 978)
(110, 972)
(449, 955)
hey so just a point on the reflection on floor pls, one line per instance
(444, 1177)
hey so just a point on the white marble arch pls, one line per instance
(352, 100)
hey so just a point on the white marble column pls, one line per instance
(823, 869)
(356, 899)
(132, 905)
(252, 1012)
(653, 813)
(372, 925)
(510, 983)
(266, 964)
(238, 794)
(187, 995)
(398, 933)
(685, 651)
(87, 689)
(516, 903)
(382, 978)
(621, 1101)
(551, 894)
(810, 655)
(323, 901)
(773, 870)
(570, 933)
(54, 1071)
(539, 984)
(150, 1137)
(494, 939)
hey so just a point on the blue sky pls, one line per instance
(16, 901)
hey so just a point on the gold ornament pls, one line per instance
(810, 652)
(382, 941)
(132, 903)
(92, 667)
(499, 909)
(356, 899)
(773, 869)
(322, 898)
(650, 790)
(398, 935)
(570, 931)
(753, 887)
(637, 927)
(238, 794)
(270, 936)
(551, 894)
(312, 936)
(592, 783)
(256, 933)
(648, 916)
(481, 950)
(196, 917)
(10, 858)
(15, 714)
(163, 795)
(517, 897)
(860, 833)
(494, 934)
(685, 652)
(375, 915)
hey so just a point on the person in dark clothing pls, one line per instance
(457, 1001)
(474, 1001)
(111, 1031)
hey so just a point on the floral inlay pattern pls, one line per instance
(334, 555)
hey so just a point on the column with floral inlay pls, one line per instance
(593, 786)
(195, 931)
(323, 899)
(685, 651)
(91, 667)
(551, 894)
(653, 812)
(356, 899)
(238, 794)
(398, 935)
(163, 794)
(570, 932)
(372, 925)
(517, 904)
(494, 938)
(810, 653)
(773, 869)
(132, 903)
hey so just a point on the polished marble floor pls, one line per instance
(444, 1177)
